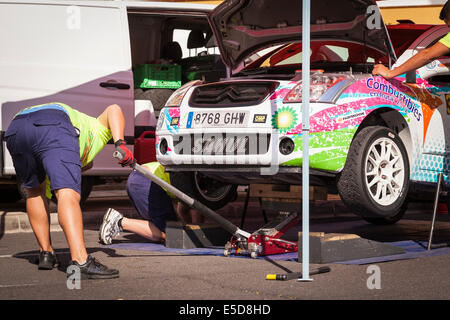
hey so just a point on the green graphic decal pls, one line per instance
(328, 150)
(284, 119)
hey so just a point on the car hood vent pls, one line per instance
(231, 94)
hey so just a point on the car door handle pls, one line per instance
(115, 85)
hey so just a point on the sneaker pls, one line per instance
(47, 260)
(110, 226)
(92, 269)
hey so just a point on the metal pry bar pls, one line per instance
(193, 203)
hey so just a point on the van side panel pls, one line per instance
(58, 52)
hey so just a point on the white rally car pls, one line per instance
(373, 140)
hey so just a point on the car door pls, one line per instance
(435, 92)
(76, 53)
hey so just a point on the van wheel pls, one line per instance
(375, 180)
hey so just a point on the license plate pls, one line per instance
(217, 119)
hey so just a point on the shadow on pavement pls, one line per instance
(63, 256)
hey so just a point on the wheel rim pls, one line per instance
(212, 190)
(384, 171)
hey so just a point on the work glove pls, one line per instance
(127, 155)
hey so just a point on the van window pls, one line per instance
(181, 36)
(56, 35)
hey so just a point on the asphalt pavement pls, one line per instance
(162, 276)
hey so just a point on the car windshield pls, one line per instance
(322, 52)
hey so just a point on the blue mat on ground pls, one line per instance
(412, 250)
(216, 251)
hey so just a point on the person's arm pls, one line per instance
(113, 119)
(417, 61)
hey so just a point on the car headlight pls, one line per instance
(176, 97)
(160, 119)
(318, 85)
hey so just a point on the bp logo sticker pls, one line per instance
(284, 119)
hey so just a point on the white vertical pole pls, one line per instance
(306, 20)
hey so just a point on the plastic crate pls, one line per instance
(157, 76)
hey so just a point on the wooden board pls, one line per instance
(270, 192)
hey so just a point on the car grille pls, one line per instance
(234, 94)
(222, 144)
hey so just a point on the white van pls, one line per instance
(83, 53)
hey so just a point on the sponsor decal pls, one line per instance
(432, 65)
(350, 116)
(284, 119)
(259, 118)
(447, 100)
(387, 91)
(175, 121)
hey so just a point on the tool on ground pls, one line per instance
(296, 275)
(193, 203)
(264, 241)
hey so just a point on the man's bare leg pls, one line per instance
(39, 216)
(71, 221)
(143, 228)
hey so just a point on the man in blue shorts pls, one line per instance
(153, 204)
(55, 141)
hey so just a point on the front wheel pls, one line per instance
(212, 193)
(375, 180)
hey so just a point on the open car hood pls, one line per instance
(243, 27)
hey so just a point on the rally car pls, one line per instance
(370, 138)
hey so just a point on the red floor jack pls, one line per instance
(266, 241)
(262, 242)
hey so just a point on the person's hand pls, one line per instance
(381, 70)
(127, 155)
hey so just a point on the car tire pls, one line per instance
(384, 221)
(375, 180)
(212, 193)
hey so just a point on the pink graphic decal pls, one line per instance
(377, 92)
(174, 112)
(279, 94)
(282, 91)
